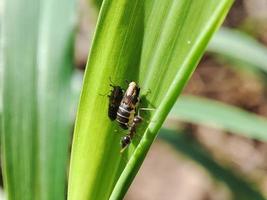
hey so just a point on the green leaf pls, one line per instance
(241, 188)
(203, 111)
(38, 55)
(238, 46)
(19, 98)
(155, 43)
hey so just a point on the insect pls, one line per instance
(127, 107)
(126, 140)
(115, 98)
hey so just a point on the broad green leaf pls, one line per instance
(19, 98)
(241, 188)
(203, 111)
(155, 43)
(240, 47)
(38, 56)
(55, 69)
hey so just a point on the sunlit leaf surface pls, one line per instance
(155, 43)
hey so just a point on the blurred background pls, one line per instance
(206, 161)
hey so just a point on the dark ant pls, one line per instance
(126, 140)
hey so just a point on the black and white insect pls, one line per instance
(123, 107)
(115, 98)
(127, 108)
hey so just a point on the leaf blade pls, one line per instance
(121, 51)
(240, 47)
(37, 60)
(55, 70)
(203, 111)
(23, 121)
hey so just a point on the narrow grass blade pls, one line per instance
(55, 70)
(203, 111)
(19, 98)
(38, 41)
(240, 188)
(238, 46)
(155, 43)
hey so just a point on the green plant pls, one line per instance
(204, 111)
(37, 61)
(239, 47)
(225, 44)
(157, 44)
(240, 187)
(145, 41)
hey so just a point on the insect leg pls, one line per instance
(145, 109)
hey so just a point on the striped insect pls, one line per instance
(127, 109)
